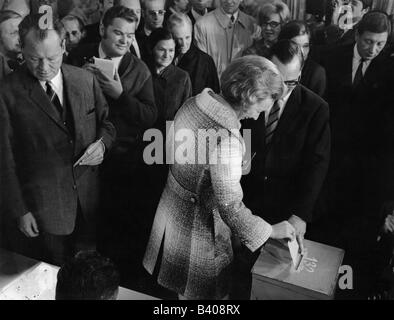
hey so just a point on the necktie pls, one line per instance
(54, 99)
(272, 122)
(232, 19)
(359, 74)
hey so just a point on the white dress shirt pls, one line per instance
(356, 63)
(57, 85)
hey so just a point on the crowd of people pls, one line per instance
(316, 99)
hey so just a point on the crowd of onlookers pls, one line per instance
(72, 171)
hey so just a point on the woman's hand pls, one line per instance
(283, 230)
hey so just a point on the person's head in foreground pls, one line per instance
(88, 276)
(251, 85)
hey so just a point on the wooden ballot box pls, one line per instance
(276, 278)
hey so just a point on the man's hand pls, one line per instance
(389, 224)
(111, 87)
(28, 225)
(94, 155)
(283, 230)
(300, 229)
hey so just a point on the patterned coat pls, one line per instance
(201, 206)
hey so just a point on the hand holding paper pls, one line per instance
(93, 156)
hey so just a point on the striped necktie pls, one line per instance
(54, 99)
(272, 123)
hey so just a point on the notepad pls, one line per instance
(106, 66)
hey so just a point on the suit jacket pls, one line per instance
(4, 68)
(40, 152)
(201, 207)
(355, 118)
(314, 77)
(134, 111)
(286, 179)
(201, 69)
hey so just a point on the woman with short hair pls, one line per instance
(201, 207)
(313, 74)
(270, 17)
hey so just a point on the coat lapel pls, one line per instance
(74, 98)
(289, 112)
(40, 99)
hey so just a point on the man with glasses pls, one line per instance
(153, 12)
(55, 131)
(292, 146)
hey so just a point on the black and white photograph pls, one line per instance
(219, 152)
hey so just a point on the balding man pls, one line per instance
(54, 135)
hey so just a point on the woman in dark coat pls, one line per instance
(199, 65)
(172, 85)
(313, 75)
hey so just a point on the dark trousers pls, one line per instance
(50, 248)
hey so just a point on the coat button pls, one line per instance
(265, 178)
(193, 200)
(75, 187)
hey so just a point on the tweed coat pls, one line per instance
(201, 207)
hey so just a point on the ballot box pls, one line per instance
(315, 277)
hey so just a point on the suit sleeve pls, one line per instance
(213, 76)
(320, 81)
(106, 130)
(226, 172)
(139, 110)
(14, 205)
(314, 167)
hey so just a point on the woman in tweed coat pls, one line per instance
(201, 206)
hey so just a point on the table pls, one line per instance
(23, 278)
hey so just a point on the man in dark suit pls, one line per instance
(198, 64)
(132, 111)
(357, 79)
(56, 133)
(290, 146)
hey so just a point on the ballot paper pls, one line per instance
(294, 249)
(106, 66)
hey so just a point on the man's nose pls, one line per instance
(43, 64)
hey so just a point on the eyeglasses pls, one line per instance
(272, 24)
(292, 83)
(154, 13)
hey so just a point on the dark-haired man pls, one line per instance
(54, 134)
(88, 276)
(357, 84)
(75, 32)
(292, 146)
(132, 110)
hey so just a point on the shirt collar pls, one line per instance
(147, 31)
(224, 19)
(56, 82)
(196, 15)
(357, 57)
